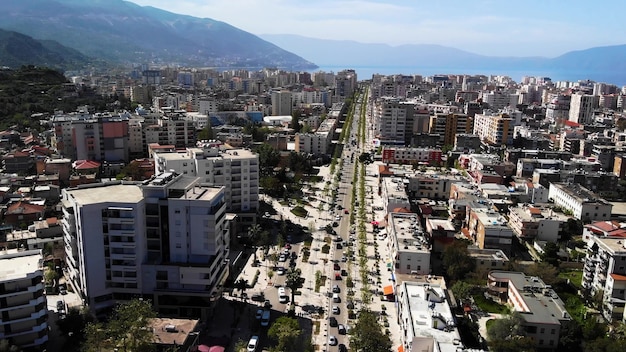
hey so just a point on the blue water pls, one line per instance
(615, 77)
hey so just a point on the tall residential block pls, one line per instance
(24, 319)
(447, 126)
(582, 107)
(165, 239)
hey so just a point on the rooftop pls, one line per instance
(107, 192)
(15, 264)
(169, 331)
(408, 233)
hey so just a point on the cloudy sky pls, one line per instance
(490, 27)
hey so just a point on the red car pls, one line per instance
(346, 211)
(288, 246)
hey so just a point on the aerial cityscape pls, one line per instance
(193, 181)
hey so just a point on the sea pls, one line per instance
(617, 78)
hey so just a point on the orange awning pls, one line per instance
(401, 348)
(388, 290)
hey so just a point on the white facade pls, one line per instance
(281, 103)
(409, 246)
(393, 120)
(582, 107)
(584, 204)
(165, 239)
(235, 169)
(500, 100)
(24, 319)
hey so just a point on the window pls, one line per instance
(541, 342)
(543, 330)
(553, 331)
(408, 267)
(178, 245)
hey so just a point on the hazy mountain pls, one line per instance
(123, 31)
(601, 63)
(17, 49)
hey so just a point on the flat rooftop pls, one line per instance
(170, 331)
(15, 264)
(102, 193)
(430, 315)
(408, 232)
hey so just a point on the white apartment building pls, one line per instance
(173, 129)
(235, 169)
(431, 185)
(281, 103)
(582, 107)
(605, 271)
(318, 142)
(393, 121)
(24, 319)
(394, 193)
(426, 320)
(584, 204)
(541, 308)
(408, 244)
(500, 100)
(535, 223)
(165, 239)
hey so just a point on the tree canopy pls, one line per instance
(457, 261)
(285, 331)
(367, 334)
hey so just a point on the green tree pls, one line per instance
(507, 335)
(95, 338)
(550, 254)
(573, 227)
(206, 133)
(570, 336)
(285, 331)
(462, 290)
(293, 281)
(129, 327)
(241, 285)
(548, 273)
(295, 121)
(74, 324)
(367, 334)
(241, 345)
(457, 261)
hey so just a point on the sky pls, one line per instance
(545, 28)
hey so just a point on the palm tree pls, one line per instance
(294, 278)
(254, 232)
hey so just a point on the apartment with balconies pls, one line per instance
(235, 169)
(23, 307)
(604, 273)
(409, 245)
(165, 239)
(531, 222)
(541, 309)
(584, 204)
(488, 228)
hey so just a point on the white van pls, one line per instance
(282, 295)
(265, 318)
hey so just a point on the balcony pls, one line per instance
(25, 317)
(21, 290)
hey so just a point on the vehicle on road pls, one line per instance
(336, 298)
(336, 267)
(344, 259)
(336, 289)
(336, 310)
(282, 258)
(343, 348)
(259, 314)
(337, 275)
(294, 255)
(265, 318)
(332, 321)
(282, 295)
(281, 271)
(253, 343)
(332, 340)
(258, 297)
(341, 329)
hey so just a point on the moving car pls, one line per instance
(336, 298)
(280, 271)
(282, 295)
(258, 297)
(343, 348)
(253, 343)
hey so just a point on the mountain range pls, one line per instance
(123, 32)
(600, 63)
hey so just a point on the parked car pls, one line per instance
(332, 321)
(332, 340)
(253, 343)
(343, 348)
(259, 314)
(336, 289)
(341, 329)
(258, 297)
(336, 298)
(336, 310)
(336, 266)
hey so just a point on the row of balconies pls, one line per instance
(22, 290)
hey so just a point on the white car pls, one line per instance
(332, 340)
(281, 271)
(282, 258)
(253, 343)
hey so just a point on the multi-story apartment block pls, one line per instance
(582, 107)
(165, 239)
(605, 272)
(584, 204)
(318, 142)
(558, 107)
(431, 185)
(489, 229)
(465, 142)
(535, 223)
(281, 103)
(447, 126)
(345, 83)
(235, 169)
(393, 120)
(24, 321)
(497, 100)
(426, 319)
(542, 311)
(492, 129)
(486, 260)
(394, 195)
(422, 156)
(83, 136)
(409, 245)
(172, 129)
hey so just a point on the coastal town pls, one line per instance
(268, 210)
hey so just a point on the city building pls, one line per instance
(426, 320)
(23, 304)
(489, 229)
(497, 100)
(496, 130)
(531, 222)
(447, 126)
(235, 169)
(584, 204)
(172, 129)
(604, 273)
(393, 121)
(165, 239)
(541, 309)
(582, 107)
(409, 246)
(318, 142)
(421, 156)
(486, 260)
(281, 103)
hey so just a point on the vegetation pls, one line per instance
(507, 334)
(286, 332)
(127, 330)
(367, 334)
(489, 305)
(294, 281)
(457, 261)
